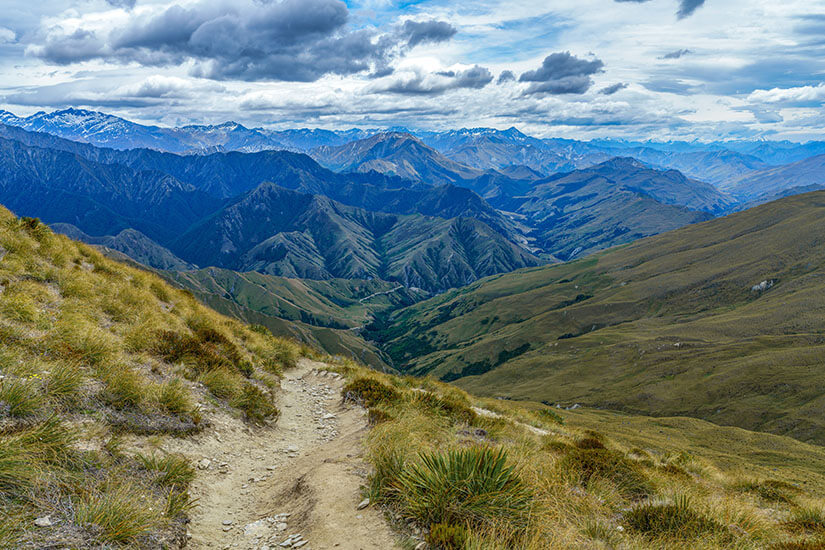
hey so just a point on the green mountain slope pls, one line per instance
(722, 320)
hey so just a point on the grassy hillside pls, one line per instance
(469, 473)
(92, 350)
(721, 320)
(324, 314)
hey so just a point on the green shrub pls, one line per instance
(473, 486)
(445, 536)
(377, 416)
(599, 463)
(670, 520)
(255, 404)
(369, 392)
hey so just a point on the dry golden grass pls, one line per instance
(588, 489)
(79, 343)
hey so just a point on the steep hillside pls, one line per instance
(720, 320)
(130, 242)
(96, 354)
(280, 232)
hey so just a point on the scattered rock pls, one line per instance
(363, 504)
(227, 522)
(204, 464)
(421, 546)
(45, 521)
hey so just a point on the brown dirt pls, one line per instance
(310, 465)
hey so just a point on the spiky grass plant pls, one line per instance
(675, 520)
(473, 486)
(21, 398)
(117, 513)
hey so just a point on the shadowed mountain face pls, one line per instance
(715, 320)
(281, 232)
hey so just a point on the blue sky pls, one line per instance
(663, 69)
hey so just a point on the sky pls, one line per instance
(635, 69)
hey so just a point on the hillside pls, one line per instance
(280, 232)
(719, 320)
(96, 353)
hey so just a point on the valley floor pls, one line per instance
(257, 488)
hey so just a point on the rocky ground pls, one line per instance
(294, 485)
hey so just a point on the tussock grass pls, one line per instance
(114, 350)
(585, 488)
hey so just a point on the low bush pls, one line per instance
(472, 486)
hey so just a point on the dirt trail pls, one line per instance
(298, 481)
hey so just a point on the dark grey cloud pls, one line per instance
(612, 89)
(506, 76)
(422, 32)
(686, 7)
(290, 40)
(677, 54)
(562, 73)
(438, 83)
(125, 4)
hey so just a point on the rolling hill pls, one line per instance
(721, 320)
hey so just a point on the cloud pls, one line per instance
(251, 40)
(612, 89)
(812, 96)
(125, 4)
(687, 7)
(437, 83)
(506, 76)
(677, 54)
(423, 32)
(562, 73)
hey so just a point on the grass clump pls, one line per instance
(174, 397)
(256, 405)
(447, 536)
(222, 383)
(473, 486)
(64, 381)
(675, 520)
(173, 471)
(807, 518)
(369, 392)
(21, 398)
(771, 490)
(116, 514)
(590, 464)
(446, 406)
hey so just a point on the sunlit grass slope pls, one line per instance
(91, 349)
(722, 320)
(469, 473)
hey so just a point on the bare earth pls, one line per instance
(310, 466)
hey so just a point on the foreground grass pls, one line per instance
(90, 350)
(470, 473)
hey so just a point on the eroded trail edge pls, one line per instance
(294, 485)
